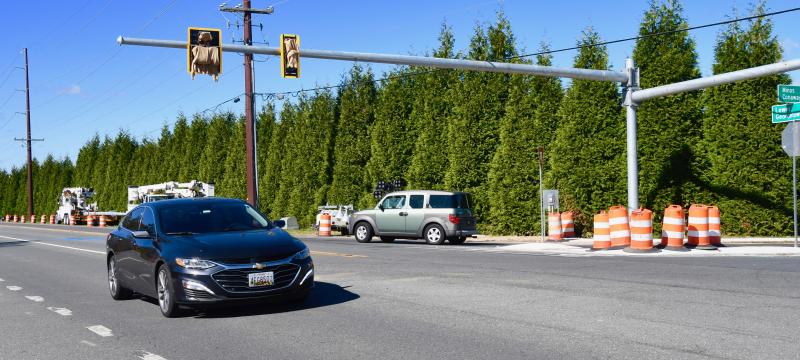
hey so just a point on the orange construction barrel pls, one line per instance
(602, 233)
(325, 225)
(641, 226)
(567, 226)
(698, 228)
(620, 230)
(673, 229)
(554, 227)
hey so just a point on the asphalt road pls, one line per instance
(408, 300)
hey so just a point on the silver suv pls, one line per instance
(435, 216)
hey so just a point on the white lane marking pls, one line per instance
(56, 245)
(88, 343)
(100, 330)
(35, 298)
(1, 280)
(144, 355)
(60, 311)
(14, 288)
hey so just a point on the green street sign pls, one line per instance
(785, 113)
(789, 94)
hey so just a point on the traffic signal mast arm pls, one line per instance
(585, 74)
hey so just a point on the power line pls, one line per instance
(662, 33)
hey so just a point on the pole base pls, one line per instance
(640, 251)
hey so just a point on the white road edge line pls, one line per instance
(34, 298)
(100, 330)
(14, 288)
(144, 355)
(56, 245)
(60, 311)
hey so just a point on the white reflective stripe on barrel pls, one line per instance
(695, 233)
(618, 220)
(641, 237)
(672, 234)
(698, 220)
(601, 225)
(641, 224)
(620, 233)
(602, 237)
(672, 221)
(713, 220)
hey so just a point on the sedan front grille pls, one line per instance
(235, 280)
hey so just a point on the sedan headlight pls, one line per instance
(302, 255)
(194, 264)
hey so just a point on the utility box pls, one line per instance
(550, 200)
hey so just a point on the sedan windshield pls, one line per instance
(208, 217)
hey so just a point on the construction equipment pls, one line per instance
(168, 190)
(75, 206)
(340, 216)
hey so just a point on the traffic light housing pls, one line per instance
(204, 52)
(290, 56)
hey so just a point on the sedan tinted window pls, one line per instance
(207, 217)
(148, 221)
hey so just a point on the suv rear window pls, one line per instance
(456, 201)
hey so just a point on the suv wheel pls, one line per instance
(434, 234)
(363, 232)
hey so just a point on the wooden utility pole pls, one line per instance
(250, 124)
(28, 138)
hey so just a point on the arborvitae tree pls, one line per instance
(514, 175)
(264, 128)
(192, 150)
(479, 104)
(587, 157)
(181, 136)
(749, 174)
(392, 135)
(5, 192)
(118, 174)
(86, 162)
(430, 114)
(669, 127)
(234, 182)
(99, 173)
(164, 146)
(288, 172)
(214, 153)
(271, 168)
(356, 114)
(310, 139)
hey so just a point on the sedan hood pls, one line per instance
(239, 247)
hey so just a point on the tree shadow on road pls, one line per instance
(324, 294)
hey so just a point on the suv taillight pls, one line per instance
(454, 219)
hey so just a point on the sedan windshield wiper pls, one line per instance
(181, 233)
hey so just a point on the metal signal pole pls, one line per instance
(250, 124)
(28, 138)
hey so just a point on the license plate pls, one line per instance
(260, 279)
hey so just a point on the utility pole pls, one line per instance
(28, 139)
(250, 124)
(541, 189)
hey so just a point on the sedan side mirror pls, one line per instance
(279, 224)
(141, 234)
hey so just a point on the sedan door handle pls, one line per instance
(403, 214)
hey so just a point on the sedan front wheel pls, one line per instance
(166, 294)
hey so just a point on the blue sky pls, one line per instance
(82, 83)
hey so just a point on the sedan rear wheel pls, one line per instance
(166, 294)
(117, 291)
(434, 234)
